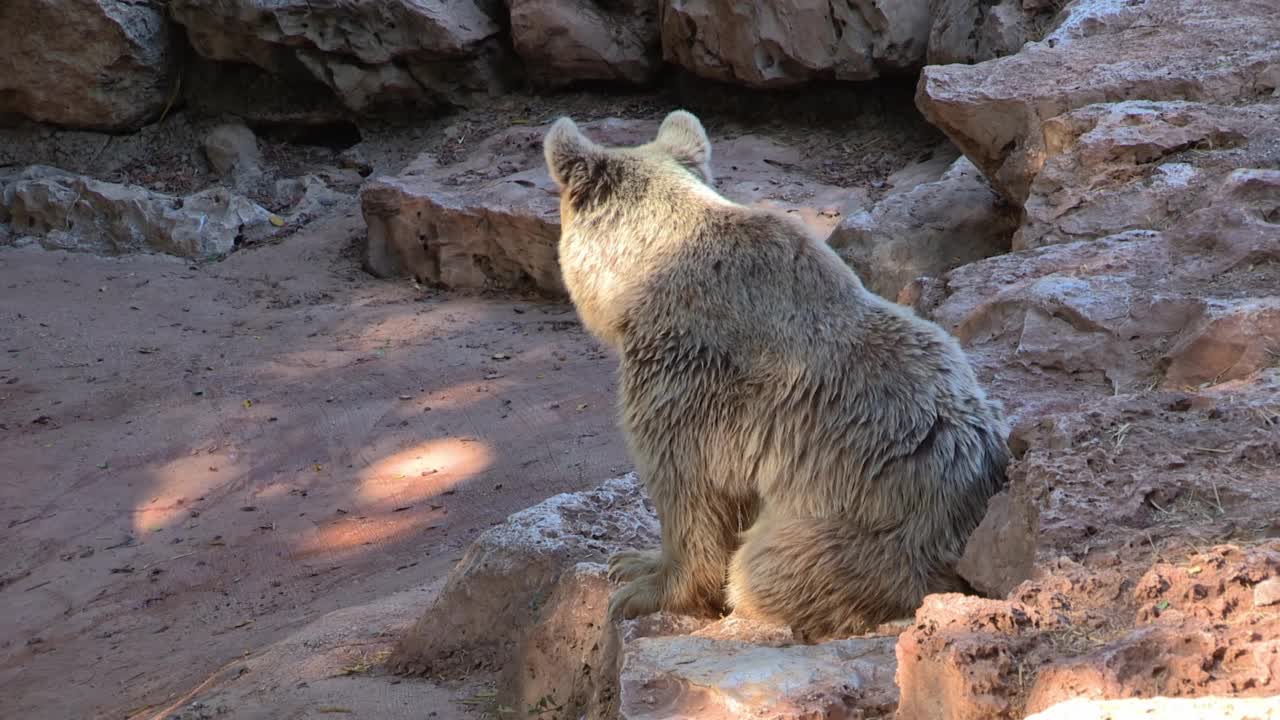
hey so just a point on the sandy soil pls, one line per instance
(199, 461)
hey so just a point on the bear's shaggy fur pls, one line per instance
(817, 456)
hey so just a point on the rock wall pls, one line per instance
(114, 64)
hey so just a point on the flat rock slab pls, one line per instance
(493, 220)
(684, 677)
(1104, 51)
(74, 212)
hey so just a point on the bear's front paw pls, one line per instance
(632, 564)
(636, 598)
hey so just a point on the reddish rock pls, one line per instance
(493, 220)
(1001, 552)
(566, 41)
(962, 660)
(792, 42)
(493, 595)
(926, 230)
(970, 32)
(1185, 630)
(1140, 165)
(374, 54)
(1267, 593)
(1102, 52)
(99, 64)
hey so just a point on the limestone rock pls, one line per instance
(970, 32)
(1112, 167)
(792, 42)
(73, 212)
(713, 678)
(232, 151)
(567, 41)
(1001, 552)
(1102, 52)
(529, 600)
(310, 196)
(99, 64)
(492, 597)
(568, 663)
(374, 55)
(1077, 633)
(927, 230)
(1190, 306)
(1267, 593)
(564, 657)
(492, 220)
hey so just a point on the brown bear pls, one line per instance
(817, 456)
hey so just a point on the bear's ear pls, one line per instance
(572, 159)
(683, 137)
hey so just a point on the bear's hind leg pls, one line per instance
(822, 577)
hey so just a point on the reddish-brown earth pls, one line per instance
(199, 460)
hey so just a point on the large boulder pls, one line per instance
(1101, 52)
(1191, 304)
(1133, 165)
(567, 41)
(925, 231)
(968, 32)
(494, 594)
(375, 55)
(492, 220)
(97, 64)
(74, 212)
(779, 44)
(1188, 627)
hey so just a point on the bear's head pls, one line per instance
(588, 173)
(620, 207)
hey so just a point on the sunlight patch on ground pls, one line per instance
(423, 471)
(178, 484)
(392, 497)
(351, 535)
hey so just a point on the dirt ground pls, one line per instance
(200, 460)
